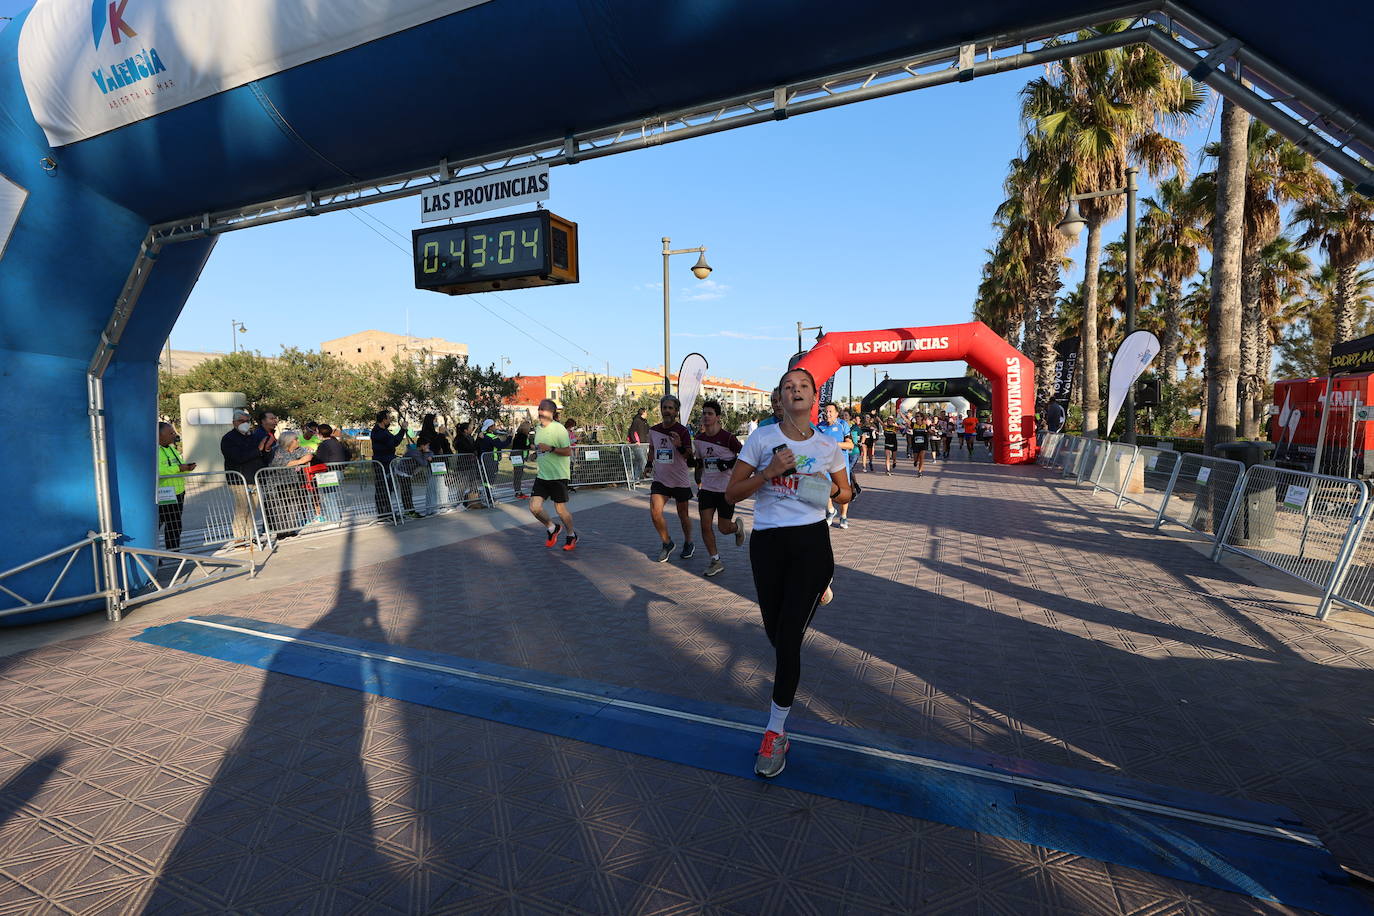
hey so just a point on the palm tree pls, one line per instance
(1223, 316)
(1030, 212)
(1283, 271)
(1306, 350)
(1276, 172)
(1096, 114)
(1343, 223)
(1171, 234)
(1003, 289)
(1193, 310)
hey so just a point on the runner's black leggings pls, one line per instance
(792, 567)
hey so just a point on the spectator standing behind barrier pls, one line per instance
(638, 433)
(285, 497)
(519, 454)
(331, 452)
(310, 436)
(488, 453)
(384, 443)
(241, 453)
(171, 489)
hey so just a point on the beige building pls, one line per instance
(380, 346)
(732, 394)
(180, 362)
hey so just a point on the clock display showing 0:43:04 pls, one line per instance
(460, 253)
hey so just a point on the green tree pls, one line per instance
(1305, 351)
(321, 387)
(1171, 236)
(1095, 114)
(1342, 223)
(479, 393)
(246, 370)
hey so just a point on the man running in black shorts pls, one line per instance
(555, 458)
(670, 456)
(716, 450)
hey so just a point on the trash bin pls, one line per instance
(1255, 515)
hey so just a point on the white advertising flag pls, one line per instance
(689, 379)
(1135, 353)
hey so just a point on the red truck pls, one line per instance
(1295, 424)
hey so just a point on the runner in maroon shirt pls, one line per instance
(670, 456)
(716, 450)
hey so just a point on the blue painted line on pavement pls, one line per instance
(1248, 848)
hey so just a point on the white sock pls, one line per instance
(551, 526)
(715, 556)
(777, 717)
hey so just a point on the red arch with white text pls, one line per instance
(1010, 373)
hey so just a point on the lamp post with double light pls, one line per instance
(1071, 225)
(701, 270)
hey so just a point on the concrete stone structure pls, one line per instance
(380, 346)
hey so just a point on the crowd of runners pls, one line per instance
(802, 478)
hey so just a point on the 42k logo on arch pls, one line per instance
(111, 12)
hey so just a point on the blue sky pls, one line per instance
(872, 215)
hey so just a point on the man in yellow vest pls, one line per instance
(171, 489)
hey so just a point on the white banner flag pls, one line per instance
(91, 67)
(1135, 353)
(689, 383)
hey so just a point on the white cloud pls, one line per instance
(641, 287)
(704, 291)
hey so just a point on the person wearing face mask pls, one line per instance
(242, 454)
(792, 471)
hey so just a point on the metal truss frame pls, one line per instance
(1330, 134)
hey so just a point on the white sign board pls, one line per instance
(1296, 496)
(1203, 474)
(166, 496)
(591, 456)
(91, 67)
(1364, 412)
(1150, 465)
(493, 191)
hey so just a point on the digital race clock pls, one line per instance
(504, 252)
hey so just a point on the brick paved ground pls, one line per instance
(981, 606)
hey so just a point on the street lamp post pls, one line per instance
(701, 270)
(236, 328)
(1071, 225)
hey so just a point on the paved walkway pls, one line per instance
(983, 607)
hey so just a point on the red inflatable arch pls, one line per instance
(1010, 373)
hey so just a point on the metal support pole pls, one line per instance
(1131, 189)
(667, 381)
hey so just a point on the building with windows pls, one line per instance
(733, 395)
(380, 346)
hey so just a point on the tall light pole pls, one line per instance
(235, 329)
(817, 328)
(701, 270)
(1070, 226)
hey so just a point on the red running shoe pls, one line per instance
(570, 542)
(553, 535)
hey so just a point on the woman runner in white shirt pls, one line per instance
(791, 470)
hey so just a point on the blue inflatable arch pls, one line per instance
(110, 203)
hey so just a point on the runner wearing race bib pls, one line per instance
(670, 456)
(920, 441)
(969, 432)
(716, 450)
(834, 428)
(890, 446)
(791, 470)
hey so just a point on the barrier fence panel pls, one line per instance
(1150, 480)
(347, 494)
(1094, 452)
(1302, 524)
(215, 508)
(1072, 454)
(1114, 467)
(600, 465)
(1354, 584)
(436, 483)
(1049, 448)
(638, 456)
(1068, 446)
(1204, 487)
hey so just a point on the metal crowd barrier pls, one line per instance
(1203, 490)
(1299, 523)
(1151, 480)
(296, 500)
(215, 510)
(1049, 448)
(1070, 455)
(1115, 464)
(1093, 451)
(638, 456)
(1353, 585)
(436, 484)
(601, 465)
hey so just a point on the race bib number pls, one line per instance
(663, 454)
(516, 461)
(166, 496)
(327, 479)
(814, 490)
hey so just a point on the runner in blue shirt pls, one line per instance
(832, 427)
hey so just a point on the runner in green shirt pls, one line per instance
(554, 447)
